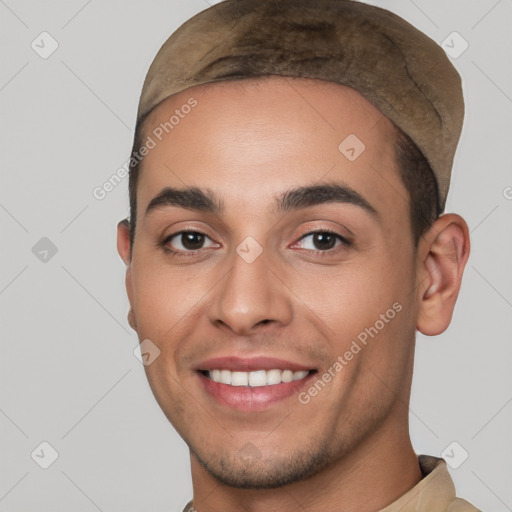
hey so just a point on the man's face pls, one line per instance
(257, 282)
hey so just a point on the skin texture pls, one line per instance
(247, 141)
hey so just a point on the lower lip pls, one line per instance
(247, 398)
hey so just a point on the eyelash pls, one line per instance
(345, 241)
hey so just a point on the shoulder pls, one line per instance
(460, 505)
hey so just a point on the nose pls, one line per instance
(251, 295)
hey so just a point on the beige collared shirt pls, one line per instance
(434, 493)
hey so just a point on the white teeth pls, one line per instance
(299, 375)
(275, 376)
(287, 376)
(256, 378)
(239, 379)
(225, 377)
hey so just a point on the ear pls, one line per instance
(444, 254)
(123, 241)
(124, 249)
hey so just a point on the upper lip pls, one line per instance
(235, 363)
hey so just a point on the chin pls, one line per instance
(248, 469)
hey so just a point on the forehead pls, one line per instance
(247, 139)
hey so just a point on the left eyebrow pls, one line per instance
(205, 200)
(303, 197)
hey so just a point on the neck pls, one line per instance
(372, 476)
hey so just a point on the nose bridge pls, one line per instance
(250, 293)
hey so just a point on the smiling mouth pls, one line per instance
(255, 378)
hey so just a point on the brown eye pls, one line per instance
(323, 241)
(185, 241)
(192, 240)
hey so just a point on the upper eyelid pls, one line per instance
(168, 238)
(343, 239)
(330, 231)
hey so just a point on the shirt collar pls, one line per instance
(434, 492)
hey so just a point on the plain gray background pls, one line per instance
(68, 373)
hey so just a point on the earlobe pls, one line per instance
(441, 273)
(131, 320)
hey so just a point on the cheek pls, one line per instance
(169, 303)
(353, 295)
(162, 293)
(369, 311)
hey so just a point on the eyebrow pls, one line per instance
(205, 200)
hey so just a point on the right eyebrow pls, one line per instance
(190, 198)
